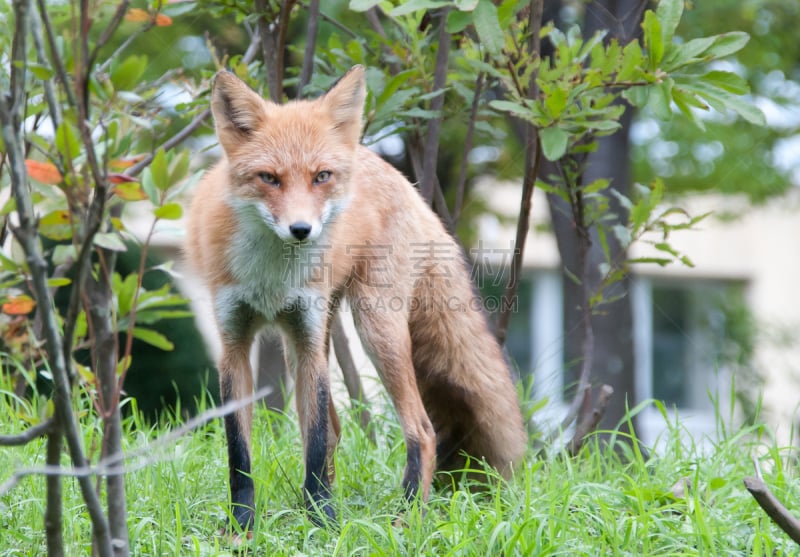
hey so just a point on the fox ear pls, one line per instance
(345, 103)
(237, 109)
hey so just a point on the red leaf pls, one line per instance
(116, 178)
(137, 14)
(19, 305)
(44, 172)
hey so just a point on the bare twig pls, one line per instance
(439, 204)
(779, 514)
(33, 432)
(49, 91)
(431, 146)
(462, 173)
(311, 46)
(125, 44)
(108, 32)
(590, 421)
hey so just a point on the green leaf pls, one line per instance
(125, 291)
(513, 108)
(363, 5)
(678, 55)
(150, 317)
(553, 190)
(660, 261)
(595, 187)
(669, 14)
(457, 21)
(110, 241)
(160, 170)
(55, 282)
(170, 211)
(8, 264)
(179, 168)
(126, 75)
(153, 338)
(63, 254)
(721, 99)
(659, 101)
(653, 39)
(637, 96)
(67, 142)
(411, 6)
(554, 142)
(56, 225)
(487, 25)
(632, 61)
(555, 102)
(685, 100)
(149, 186)
(40, 71)
(727, 43)
(728, 81)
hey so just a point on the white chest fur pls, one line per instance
(272, 276)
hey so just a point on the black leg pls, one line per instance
(242, 490)
(413, 470)
(316, 487)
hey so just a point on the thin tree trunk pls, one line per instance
(104, 360)
(54, 512)
(532, 164)
(612, 359)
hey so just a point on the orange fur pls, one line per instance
(367, 235)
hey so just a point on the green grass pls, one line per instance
(596, 504)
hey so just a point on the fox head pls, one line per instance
(290, 163)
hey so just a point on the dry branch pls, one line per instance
(33, 432)
(779, 514)
(590, 420)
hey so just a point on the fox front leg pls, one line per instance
(305, 346)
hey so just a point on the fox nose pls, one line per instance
(300, 230)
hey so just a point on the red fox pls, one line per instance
(298, 215)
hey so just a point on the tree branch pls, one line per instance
(779, 514)
(591, 420)
(431, 147)
(109, 31)
(54, 511)
(33, 432)
(462, 173)
(532, 163)
(311, 46)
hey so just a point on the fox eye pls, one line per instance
(323, 176)
(269, 178)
